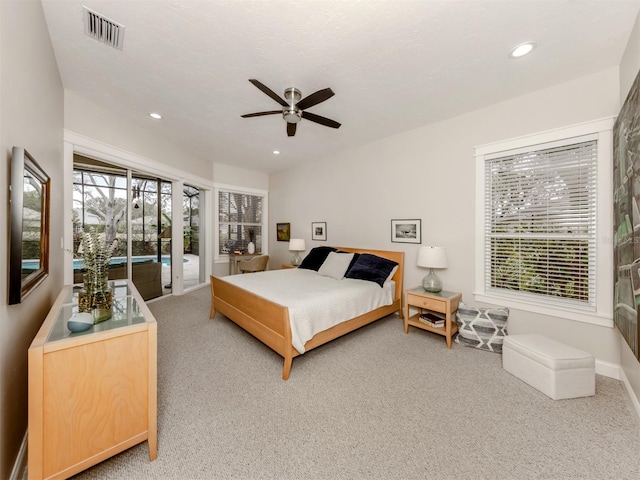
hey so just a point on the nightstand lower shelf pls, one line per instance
(415, 322)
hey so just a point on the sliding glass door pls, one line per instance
(132, 208)
(100, 204)
(193, 267)
(150, 234)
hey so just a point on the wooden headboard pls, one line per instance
(397, 257)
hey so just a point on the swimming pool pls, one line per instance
(78, 264)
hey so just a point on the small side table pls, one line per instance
(442, 302)
(288, 265)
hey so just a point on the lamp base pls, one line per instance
(296, 260)
(432, 283)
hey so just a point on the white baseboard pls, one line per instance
(634, 399)
(19, 470)
(612, 370)
(608, 369)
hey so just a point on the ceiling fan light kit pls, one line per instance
(292, 114)
(294, 105)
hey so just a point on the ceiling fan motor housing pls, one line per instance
(291, 113)
(292, 95)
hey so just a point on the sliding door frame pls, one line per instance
(76, 143)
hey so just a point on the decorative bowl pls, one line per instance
(79, 322)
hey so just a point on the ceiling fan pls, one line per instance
(293, 108)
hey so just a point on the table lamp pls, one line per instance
(432, 257)
(296, 245)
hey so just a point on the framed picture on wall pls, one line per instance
(283, 232)
(626, 222)
(406, 231)
(319, 231)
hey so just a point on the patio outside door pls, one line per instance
(101, 199)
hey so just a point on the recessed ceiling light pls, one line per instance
(276, 152)
(157, 116)
(522, 49)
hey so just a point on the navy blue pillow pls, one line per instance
(371, 267)
(316, 257)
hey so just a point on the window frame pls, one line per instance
(602, 312)
(217, 188)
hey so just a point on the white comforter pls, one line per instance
(315, 302)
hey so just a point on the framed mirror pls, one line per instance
(29, 242)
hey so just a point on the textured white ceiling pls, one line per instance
(394, 65)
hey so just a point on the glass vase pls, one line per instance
(96, 298)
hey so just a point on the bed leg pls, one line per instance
(213, 305)
(287, 368)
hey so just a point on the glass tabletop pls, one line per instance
(442, 293)
(126, 311)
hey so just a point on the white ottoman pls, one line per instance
(557, 370)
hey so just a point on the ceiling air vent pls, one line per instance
(103, 29)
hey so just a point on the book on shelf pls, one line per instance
(431, 324)
(432, 319)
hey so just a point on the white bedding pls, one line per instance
(315, 302)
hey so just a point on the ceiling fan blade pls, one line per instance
(315, 98)
(260, 114)
(264, 89)
(291, 129)
(327, 122)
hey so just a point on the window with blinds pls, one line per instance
(540, 223)
(240, 221)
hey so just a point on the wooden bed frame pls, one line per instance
(269, 321)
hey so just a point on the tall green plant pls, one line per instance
(96, 255)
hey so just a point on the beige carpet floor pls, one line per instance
(376, 404)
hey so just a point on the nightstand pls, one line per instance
(442, 302)
(288, 265)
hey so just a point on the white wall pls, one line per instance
(31, 115)
(630, 64)
(241, 177)
(629, 70)
(98, 124)
(429, 174)
(90, 120)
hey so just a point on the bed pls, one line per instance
(269, 320)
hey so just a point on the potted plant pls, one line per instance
(96, 296)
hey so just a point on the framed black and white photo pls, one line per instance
(319, 231)
(406, 231)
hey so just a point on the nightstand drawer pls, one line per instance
(428, 303)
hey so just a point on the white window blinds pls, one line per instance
(540, 223)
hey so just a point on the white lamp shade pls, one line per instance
(432, 257)
(297, 245)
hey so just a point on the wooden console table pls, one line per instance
(92, 394)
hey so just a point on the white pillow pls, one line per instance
(393, 272)
(335, 265)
